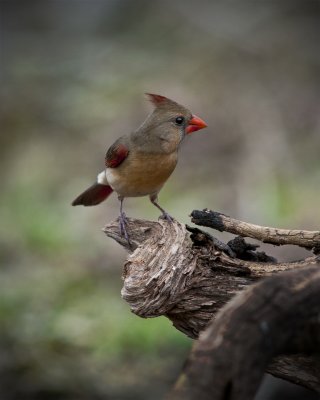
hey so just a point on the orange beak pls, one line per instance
(195, 124)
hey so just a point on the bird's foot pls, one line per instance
(123, 227)
(166, 216)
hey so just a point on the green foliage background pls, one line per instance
(72, 78)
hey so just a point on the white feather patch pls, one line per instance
(102, 178)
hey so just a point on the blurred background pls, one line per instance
(73, 74)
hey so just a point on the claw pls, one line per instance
(167, 217)
(123, 224)
(123, 227)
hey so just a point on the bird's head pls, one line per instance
(169, 123)
(176, 114)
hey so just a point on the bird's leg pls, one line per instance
(123, 221)
(165, 215)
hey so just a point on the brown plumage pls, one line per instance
(139, 164)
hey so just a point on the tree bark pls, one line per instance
(276, 236)
(278, 316)
(188, 276)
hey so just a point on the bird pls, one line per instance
(139, 163)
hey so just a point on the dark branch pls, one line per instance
(278, 316)
(224, 223)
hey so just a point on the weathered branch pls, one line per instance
(278, 316)
(224, 223)
(188, 278)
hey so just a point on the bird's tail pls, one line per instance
(94, 195)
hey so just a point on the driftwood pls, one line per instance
(188, 276)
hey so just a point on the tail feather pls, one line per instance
(94, 195)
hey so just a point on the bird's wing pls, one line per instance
(116, 154)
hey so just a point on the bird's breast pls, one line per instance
(141, 174)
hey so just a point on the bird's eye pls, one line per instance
(179, 120)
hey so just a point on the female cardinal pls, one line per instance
(139, 164)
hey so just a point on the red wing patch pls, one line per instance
(116, 154)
